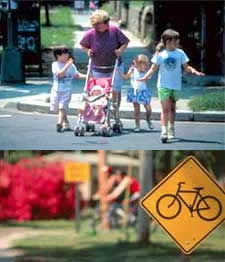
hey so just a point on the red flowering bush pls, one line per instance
(34, 189)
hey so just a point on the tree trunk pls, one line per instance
(143, 226)
(102, 178)
(184, 258)
(47, 20)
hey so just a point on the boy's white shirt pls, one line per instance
(64, 83)
(170, 68)
(137, 85)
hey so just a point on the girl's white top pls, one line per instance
(170, 68)
(138, 85)
(63, 83)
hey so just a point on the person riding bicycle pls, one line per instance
(117, 196)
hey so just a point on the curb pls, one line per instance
(181, 115)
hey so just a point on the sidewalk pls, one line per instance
(31, 97)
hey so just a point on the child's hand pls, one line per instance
(70, 61)
(199, 73)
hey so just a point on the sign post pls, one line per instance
(188, 204)
(77, 173)
(11, 64)
(77, 208)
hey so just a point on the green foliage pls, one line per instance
(15, 156)
(62, 28)
(139, 3)
(209, 101)
(108, 8)
(165, 160)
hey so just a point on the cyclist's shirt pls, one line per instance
(133, 188)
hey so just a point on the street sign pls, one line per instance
(77, 172)
(188, 204)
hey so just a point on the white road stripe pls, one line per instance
(5, 115)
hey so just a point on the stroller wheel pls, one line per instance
(108, 131)
(88, 127)
(76, 131)
(82, 131)
(117, 127)
(92, 127)
(114, 128)
(104, 131)
(120, 125)
(120, 129)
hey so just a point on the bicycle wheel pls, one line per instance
(168, 206)
(209, 208)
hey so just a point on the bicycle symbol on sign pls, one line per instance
(207, 207)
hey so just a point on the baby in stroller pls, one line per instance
(95, 107)
(99, 102)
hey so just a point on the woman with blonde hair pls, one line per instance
(104, 43)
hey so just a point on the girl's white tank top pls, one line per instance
(138, 85)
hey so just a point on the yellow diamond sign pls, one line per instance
(188, 204)
(77, 172)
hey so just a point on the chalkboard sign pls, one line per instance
(28, 33)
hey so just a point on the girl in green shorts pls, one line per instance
(169, 59)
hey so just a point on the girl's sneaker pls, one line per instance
(150, 125)
(171, 133)
(137, 129)
(163, 135)
(66, 127)
(58, 127)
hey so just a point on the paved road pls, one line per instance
(24, 131)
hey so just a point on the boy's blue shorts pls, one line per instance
(118, 81)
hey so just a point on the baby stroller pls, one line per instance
(96, 114)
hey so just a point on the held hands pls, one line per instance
(70, 61)
(142, 79)
(90, 52)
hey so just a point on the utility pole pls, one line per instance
(11, 65)
(102, 179)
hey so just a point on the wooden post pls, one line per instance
(127, 197)
(77, 207)
(184, 258)
(102, 178)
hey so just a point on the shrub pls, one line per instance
(208, 101)
(34, 189)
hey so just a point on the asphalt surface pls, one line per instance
(35, 131)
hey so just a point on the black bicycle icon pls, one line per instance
(207, 207)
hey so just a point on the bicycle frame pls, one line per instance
(190, 207)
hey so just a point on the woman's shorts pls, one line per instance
(166, 94)
(60, 100)
(118, 81)
(139, 96)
